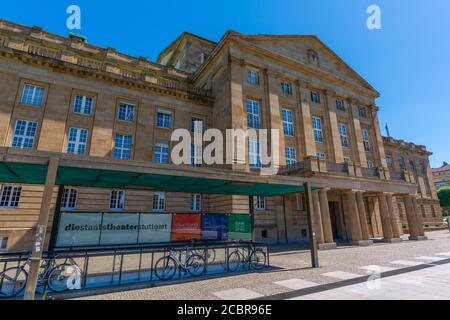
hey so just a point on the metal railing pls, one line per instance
(106, 267)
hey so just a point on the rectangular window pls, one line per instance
(69, 198)
(286, 88)
(253, 77)
(3, 243)
(320, 155)
(196, 202)
(254, 154)
(300, 197)
(343, 135)
(164, 119)
(196, 125)
(161, 153)
(401, 163)
(317, 126)
(315, 97)
(288, 122)
(83, 105)
(370, 164)
(291, 156)
(252, 114)
(10, 196)
(412, 166)
(196, 155)
(24, 134)
(32, 95)
(126, 112)
(389, 160)
(366, 140)
(159, 201)
(122, 147)
(340, 105)
(77, 141)
(260, 203)
(362, 112)
(117, 200)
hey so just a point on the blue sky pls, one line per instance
(407, 61)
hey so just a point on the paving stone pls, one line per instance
(296, 284)
(342, 275)
(237, 294)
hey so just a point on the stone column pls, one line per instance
(354, 221)
(317, 217)
(362, 215)
(326, 221)
(388, 233)
(393, 218)
(418, 219)
(414, 232)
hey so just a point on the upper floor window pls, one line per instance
(253, 77)
(340, 105)
(203, 57)
(286, 88)
(343, 135)
(315, 97)
(196, 125)
(32, 95)
(318, 132)
(117, 200)
(126, 112)
(164, 119)
(291, 156)
(122, 147)
(370, 164)
(10, 196)
(83, 105)
(77, 141)
(254, 154)
(196, 155)
(412, 166)
(159, 201)
(366, 139)
(196, 202)
(389, 161)
(321, 155)
(252, 114)
(24, 134)
(288, 122)
(161, 153)
(422, 168)
(362, 112)
(260, 203)
(69, 198)
(401, 163)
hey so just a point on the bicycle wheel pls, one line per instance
(211, 255)
(258, 259)
(195, 265)
(64, 277)
(165, 268)
(234, 261)
(12, 282)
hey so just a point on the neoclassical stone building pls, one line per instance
(62, 96)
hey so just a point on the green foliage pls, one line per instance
(444, 196)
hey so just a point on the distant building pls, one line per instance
(441, 176)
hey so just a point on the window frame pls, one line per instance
(254, 155)
(196, 202)
(126, 106)
(159, 152)
(317, 129)
(3, 243)
(166, 116)
(251, 106)
(314, 95)
(157, 197)
(290, 155)
(12, 200)
(286, 88)
(33, 95)
(122, 148)
(253, 77)
(340, 105)
(301, 197)
(25, 137)
(260, 200)
(119, 202)
(84, 99)
(319, 155)
(288, 125)
(366, 140)
(68, 195)
(342, 127)
(194, 126)
(77, 143)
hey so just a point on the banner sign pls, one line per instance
(186, 227)
(214, 227)
(239, 227)
(155, 228)
(76, 229)
(119, 229)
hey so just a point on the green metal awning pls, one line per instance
(26, 173)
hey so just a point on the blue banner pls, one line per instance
(214, 227)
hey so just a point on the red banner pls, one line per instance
(186, 227)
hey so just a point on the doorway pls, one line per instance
(337, 222)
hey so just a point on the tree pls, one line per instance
(444, 196)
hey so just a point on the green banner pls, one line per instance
(239, 227)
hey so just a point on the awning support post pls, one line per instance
(41, 230)
(251, 207)
(311, 226)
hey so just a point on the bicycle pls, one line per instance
(166, 267)
(209, 253)
(255, 258)
(58, 277)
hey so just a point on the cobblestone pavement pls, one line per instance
(406, 268)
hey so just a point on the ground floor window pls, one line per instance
(260, 203)
(196, 202)
(69, 198)
(10, 196)
(117, 201)
(3, 243)
(159, 201)
(300, 197)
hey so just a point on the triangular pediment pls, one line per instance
(302, 49)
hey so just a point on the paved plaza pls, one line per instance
(407, 270)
